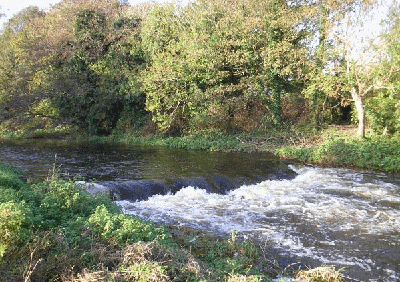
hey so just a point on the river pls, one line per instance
(308, 214)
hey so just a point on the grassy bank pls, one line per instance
(330, 146)
(266, 141)
(54, 230)
(374, 153)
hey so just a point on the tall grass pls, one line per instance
(375, 153)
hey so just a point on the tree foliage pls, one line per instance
(218, 65)
(384, 107)
(221, 56)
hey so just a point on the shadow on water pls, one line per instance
(136, 173)
(311, 215)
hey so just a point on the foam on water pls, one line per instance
(332, 215)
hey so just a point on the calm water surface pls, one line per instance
(344, 217)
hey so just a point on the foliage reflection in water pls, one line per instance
(323, 216)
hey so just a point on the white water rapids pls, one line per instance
(332, 216)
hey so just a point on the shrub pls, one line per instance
(64, 201)
(384, 113)
(10, 178)
(13, 218)
(123, 229)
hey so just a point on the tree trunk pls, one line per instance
(277, 106)
(359, 103)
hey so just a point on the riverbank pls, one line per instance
(55, 230)
(257, 141)
(375, 153)
(335, 146)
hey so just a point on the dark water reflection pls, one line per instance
(344, 217)
(104, 162)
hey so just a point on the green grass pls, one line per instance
(374, 153)
(216, 141)
(55, 230)
(209, 142)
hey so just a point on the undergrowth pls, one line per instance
(266, 140)
(375, 153)
(322, 273)
(210, 142)
(54, 230)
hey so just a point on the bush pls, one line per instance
(123, 229)
(384, 113)
(10, 178)
(76, 223)
(63, 201)
(13, 218)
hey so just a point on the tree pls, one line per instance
(81, 57)
(384, 107)
(214, 56)
(337, 72)
(16, 66)
(362, 72)
(283, 55)
(103, 57)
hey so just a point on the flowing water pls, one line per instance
(331, 216)
(316, 216)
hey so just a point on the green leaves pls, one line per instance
(217, 57)
(377, 153)
(13, 218)
(90, 32)
(65, 205)
(220, 65)
(123, 229)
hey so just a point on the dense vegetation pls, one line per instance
(220, 75)
(374, 153)
(56, 231)
(103, 67)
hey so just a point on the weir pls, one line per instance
(135, 190)
(306, 214)
(322, 216)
